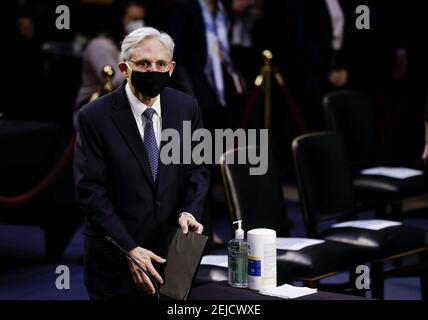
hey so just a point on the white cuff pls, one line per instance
(188, 214)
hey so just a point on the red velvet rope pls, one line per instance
(292, 108)
(294, 111)
(249, 108)
(45, 183)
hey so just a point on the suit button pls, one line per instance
(158, 204)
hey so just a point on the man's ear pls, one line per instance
(124, 69)
(171, 70)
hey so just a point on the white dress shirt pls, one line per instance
(337, 23)
(138, 109)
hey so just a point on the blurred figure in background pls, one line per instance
(44, 62)
(380, 51)
(204, 65)
(245, 15)
(425, 153)
(319, 31)
(389, 63)
(22, 26)
(104, 49)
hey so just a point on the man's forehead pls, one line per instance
(150, 49)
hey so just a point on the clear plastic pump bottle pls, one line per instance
(238, 259)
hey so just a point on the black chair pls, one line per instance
(258, 201)
(326, 194)
(351, 115)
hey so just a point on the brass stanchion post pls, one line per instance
(267, 76)
(108, 74)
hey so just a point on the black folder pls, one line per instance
(183, 253)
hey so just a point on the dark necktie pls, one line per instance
(150, 142)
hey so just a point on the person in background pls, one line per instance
(104, 50)
(245, 15)
(21, 24)
(388, 63)
(380, 52)
(425, 153)
(320, 34)
(204, 65)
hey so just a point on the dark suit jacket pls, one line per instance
(186, 26)
(312, 35)
(115, 188)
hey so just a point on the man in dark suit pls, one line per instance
(196, 55)
(320, 32)
(123, 188)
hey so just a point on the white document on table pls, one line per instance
(212, 260)
(287, 291)
(295, 243)
(373, 224)
(398, 173)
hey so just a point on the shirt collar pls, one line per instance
(138, 107)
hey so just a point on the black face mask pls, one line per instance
(150, 83)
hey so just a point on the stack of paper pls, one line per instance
(295, 244)
(373, 224)
(397, 173)
(287, 291)
(220, 260)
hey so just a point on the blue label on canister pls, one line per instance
(254, 267)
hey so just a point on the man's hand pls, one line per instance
(25, 27)
(401, 65)
(425, 154)
(251, 7)
(242, 6)
(144, 258)
(187, 222)
(338, 78)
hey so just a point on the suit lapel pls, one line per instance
(124, 120)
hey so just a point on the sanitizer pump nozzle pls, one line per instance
(239, 233)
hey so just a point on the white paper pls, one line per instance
(374, 224)
(398, 173)
(220, 260)
(295, 243)
(287, 291)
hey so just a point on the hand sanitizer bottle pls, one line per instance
(238, 259)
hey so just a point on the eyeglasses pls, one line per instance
(146, 65)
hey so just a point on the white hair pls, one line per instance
(137, 36)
